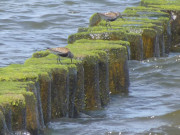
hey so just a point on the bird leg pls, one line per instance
(122, 18)
(71, 60)
(108, 23)
(58, 60)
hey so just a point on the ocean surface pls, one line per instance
(152, 106)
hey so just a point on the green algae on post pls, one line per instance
(14, 98)
(101, 35)
(94, 20)
(91, 45)
(160, 2)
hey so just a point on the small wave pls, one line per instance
(35, 25)
(70, 2)
(1, 44)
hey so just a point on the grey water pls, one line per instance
(152, 105)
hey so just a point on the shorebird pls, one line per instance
(110, 16)
(61, 52)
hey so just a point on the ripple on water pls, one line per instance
(35, 24)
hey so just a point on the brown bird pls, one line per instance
(110, 16)
(61, 52)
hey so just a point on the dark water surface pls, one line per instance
(153, 103)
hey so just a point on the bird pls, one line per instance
(61, 52)
(110, 16)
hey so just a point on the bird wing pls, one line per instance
(108, 15)
(60, 51)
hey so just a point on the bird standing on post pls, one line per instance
(61, 52)
(110, 16)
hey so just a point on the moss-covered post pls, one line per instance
(118, 71)
(80, 93)
(3, 127)
(91, 83)
(40, 117)
(32, 121)
(150, 43)
(162, 45)
(8, 117)
(94, 20)
(45, 91)
(104, 79)
(136, 46)
(167, 37)
(175, 27)
(59, 93)
(101, 35)
(18, 117)
(72, 90)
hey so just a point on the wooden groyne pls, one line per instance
(33, 93)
